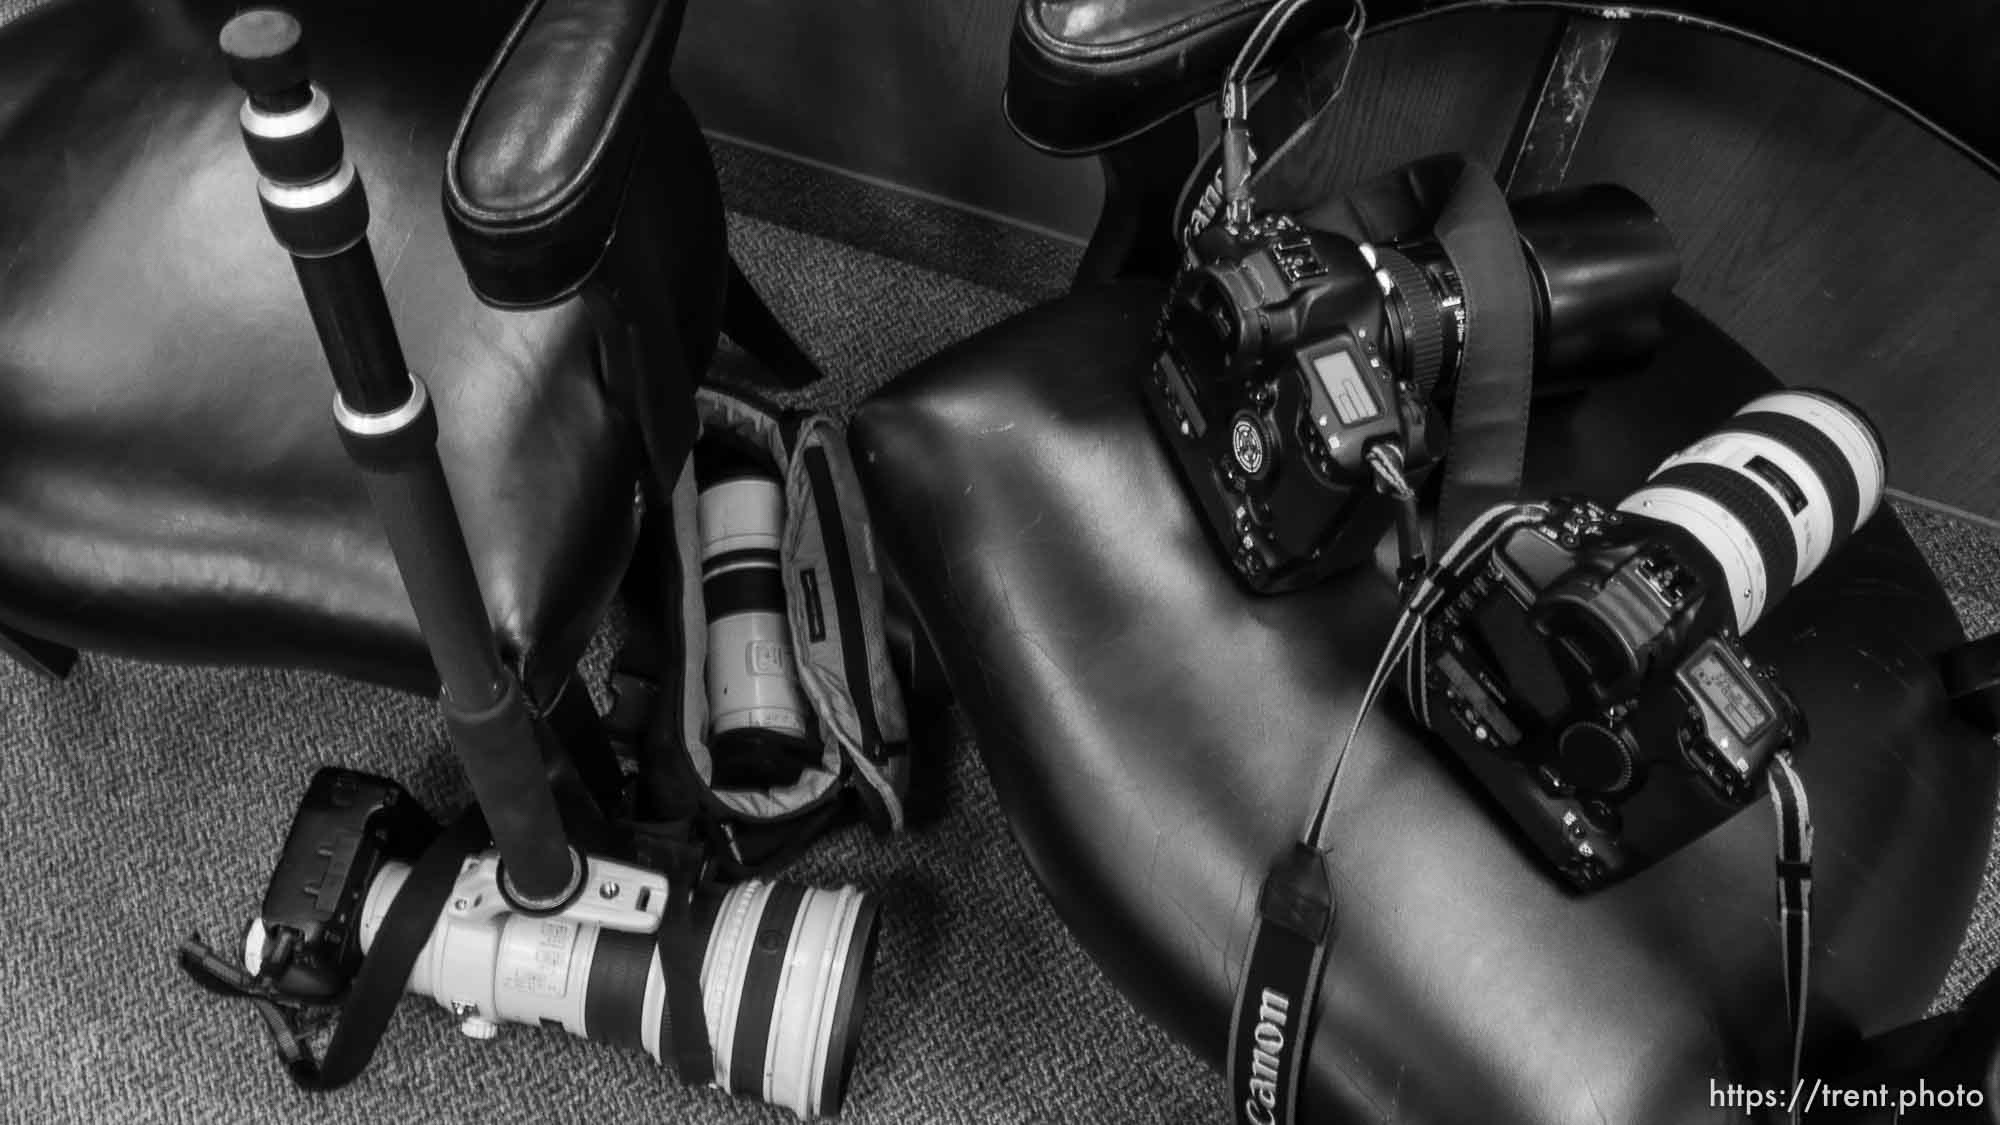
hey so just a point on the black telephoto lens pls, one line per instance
(1603, 265)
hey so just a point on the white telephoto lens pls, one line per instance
(1771, 493)
(784, 982)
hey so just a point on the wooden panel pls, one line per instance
(1445, 85)
(907, 91)
(1842, 245)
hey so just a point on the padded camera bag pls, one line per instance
(834, 603)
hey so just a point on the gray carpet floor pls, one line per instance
(139, 803)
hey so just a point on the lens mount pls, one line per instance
(1416, 316)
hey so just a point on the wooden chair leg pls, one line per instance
(1134, 236)
(44, 658)
(750, 322)
(1551, 123)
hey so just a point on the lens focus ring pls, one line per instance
(1753, 508)
(1422, 345)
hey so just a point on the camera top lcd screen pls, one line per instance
(1345, 388)
(1728, 694)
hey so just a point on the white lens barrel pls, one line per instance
(1771, 493)
(751, 678)
(783, 982)
(740, 514)
(1812, 525)
(792, 1045)
(515, 969)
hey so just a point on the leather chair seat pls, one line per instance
(1154, 733)
(171, 483)
(1085, 75)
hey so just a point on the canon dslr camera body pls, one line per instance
(1287, 354)
(1592, 675)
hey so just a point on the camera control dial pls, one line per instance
(1596, 757)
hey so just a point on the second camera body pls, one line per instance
(1592, 675)
(1288, 353)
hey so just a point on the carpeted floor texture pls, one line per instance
(139, 803)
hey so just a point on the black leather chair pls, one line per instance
(172, 486)
(1116, 80)
(1153, 731)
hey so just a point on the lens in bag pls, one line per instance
(759, 728)
(1771, 493)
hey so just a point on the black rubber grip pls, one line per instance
(267, 58)
(614, 999)
(1820, 454)
(746, 589)
(498, 746)
(326, 227)
(350, 312)
(308, 156)
(752, 1040)
(1769, 527)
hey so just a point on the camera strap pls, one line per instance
(1290, 938)
(363, 1014)
(1794, 867)
(1309, 82)
(1971, 674)
(1291, 935)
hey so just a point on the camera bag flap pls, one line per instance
(834, 608)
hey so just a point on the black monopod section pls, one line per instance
(313, 200)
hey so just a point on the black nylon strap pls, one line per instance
(290, 1023)
(1489, 409)
(385, 972)
(683, 1024)
(1971, 674)
(750, 1042)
